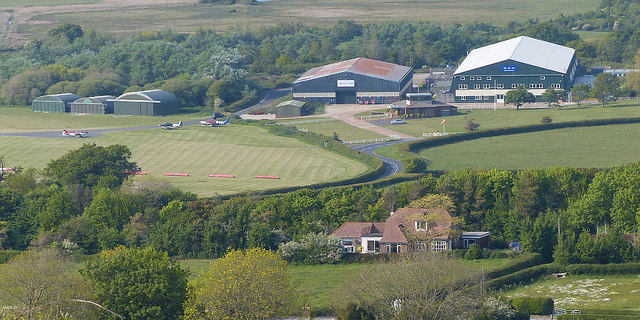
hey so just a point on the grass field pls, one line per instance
(20, 119)
(501, 118)
(592, 35)
(244, 151)
(187, 18)
(345, 131)
(28, 3)
(583, 291)
(317, 284)
(589, 147)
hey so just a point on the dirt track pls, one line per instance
(12, 17)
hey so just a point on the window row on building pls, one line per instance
(464, 86)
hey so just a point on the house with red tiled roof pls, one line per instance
(407, 230)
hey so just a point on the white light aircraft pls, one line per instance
(214, 122)
(76, 134)
(169, 126)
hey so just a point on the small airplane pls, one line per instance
(76, 134)
(214, 122)
(169, 125)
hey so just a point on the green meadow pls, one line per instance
(603, 292)
(189, 17)
(244, 151)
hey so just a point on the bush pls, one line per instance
(415, 165)
(313, 249)
(546, 119)
(6, 255)
(473, 253)
(533, 305)
(471, 126)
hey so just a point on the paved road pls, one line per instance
(268, 98)
(391, 166)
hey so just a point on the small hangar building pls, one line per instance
(359, 80)
(54, 102)
(93, 105)
(489, 72)
(291, 108)
(146, 103)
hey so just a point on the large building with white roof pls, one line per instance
(489, 72)
(359, 80)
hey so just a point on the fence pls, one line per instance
(364, 141)
(375, 116)
(437, 134)
(293, 123)
(559, 311)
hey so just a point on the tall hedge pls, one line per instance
(533, 305)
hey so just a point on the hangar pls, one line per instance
(487, 73)
(291, 108)
(94, 105)
(146, 103)
(54, 102)
(359, 80)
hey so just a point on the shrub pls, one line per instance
(533, 305)
(415, 165)
(6, 255)
(546, 119)
(473, 252)
(314, 248)
(471, 126)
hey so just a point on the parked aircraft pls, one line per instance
(76, 134)
(214, 122)
(170, 125)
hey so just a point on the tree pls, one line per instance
(519, 96)
(313, 248)
(250, 285)
(88, 163)
(552, 95)
(138, 283)
(42, 284)
(580, 92)
(418, 286)
(69, 31)
(606, 88)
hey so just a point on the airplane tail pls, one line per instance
(180, 123)
(226, 121)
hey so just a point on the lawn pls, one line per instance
(21, 119)
(620, 292)
(345, 131)
(489, 119)
(317, 284)
(243, 151)
(586, 147)
(188, 18)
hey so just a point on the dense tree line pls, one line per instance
(94, 207)
(222, 68)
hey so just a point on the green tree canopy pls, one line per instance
(519, 96)
(580, 92)
(88, 163)
(68, 31)
(552, 95)
(138, 283)
(250, 285)
(606, 88)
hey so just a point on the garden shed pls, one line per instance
(93, 105)
(146, 103)
(291, 108)
(54, 102)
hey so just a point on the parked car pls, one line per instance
(398, 121)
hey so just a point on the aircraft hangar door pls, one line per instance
(345, 97)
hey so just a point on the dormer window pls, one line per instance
(421, 225)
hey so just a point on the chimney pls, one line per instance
(393, 209)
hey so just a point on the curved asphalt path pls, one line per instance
(391, 166)
(268, 98)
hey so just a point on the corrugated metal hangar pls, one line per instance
(146, 103)
(54, 102)
(291, 108)
(489, 72)
(359, 80)
(94, 105)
